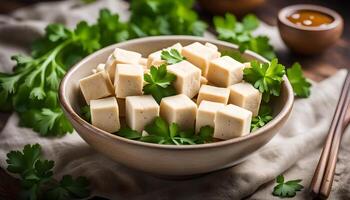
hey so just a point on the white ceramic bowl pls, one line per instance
(167, 160)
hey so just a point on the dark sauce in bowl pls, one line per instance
(310, 18)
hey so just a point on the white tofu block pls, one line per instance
(203, 80)
(200, 55)
(121, 56)
(210, 45)
(128, 80)
(100, 67)
(225, 71)
(155, 57)
(105, 114)
(143, 62)
(96, 86)
(246, 96)
(187, 78)
(232, 121)
(206, 114)
(246, 64)
(214, 94)
(179, 109)
(121, 105)
(140, 111)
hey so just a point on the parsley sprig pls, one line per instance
(301, 86)
(286, 189)
(265, 115)
(240, 33)
(31, 90)
(164, 17)
(266, 77)
(172, 56)
(36, 177)
(159, 83)
(161, 132)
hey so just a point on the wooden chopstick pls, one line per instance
(323, 177)
(333, 156)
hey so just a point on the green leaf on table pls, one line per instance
(301, 86)
(240, 33)
(286, 189)
(172, 56)
(159, 83)
(266, 77)
(36, 177)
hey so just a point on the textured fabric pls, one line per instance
(294, 151)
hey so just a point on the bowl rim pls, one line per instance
(282, 16)
(77, 119)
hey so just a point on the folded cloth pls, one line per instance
(294, 151)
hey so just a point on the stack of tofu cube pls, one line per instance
(209, 86)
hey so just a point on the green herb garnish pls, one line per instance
(36, 177)
(240, 33)
(31, 90)
(266, 77)
(86, 113)
(301, 86)
(172, 56)
(265, 115)
(160, 132)
(286, 189)
(164, 17)
(159, 83)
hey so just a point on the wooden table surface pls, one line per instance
(316, 68)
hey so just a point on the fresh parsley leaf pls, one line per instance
(265, 115)
(266, 77)
(86, 113)
(159, 83)
(112, 30)
(164, 17)
(286, 189)
(229, 29)
(36, 177)
(68, 188)
(301, 86)
(129, 133)
(172, 56)
(160, 132)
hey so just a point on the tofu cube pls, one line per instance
(232, 121)
(210, 45)
(140, 111)
(105, 114)
(179, 109)
(187, 78)
(100, 67)
(143, 62)
(200, 55)
(246, 96)
(225, 71)
(155, 57)
(96, 86)
(121, 56)
(206, 114)
(128, 80)
(121, 105)
(212, 93)
(203, 80)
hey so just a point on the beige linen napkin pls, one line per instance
(294, 151)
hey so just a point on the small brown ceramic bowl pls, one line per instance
(167, 160)
(237, 7)
(309, 40)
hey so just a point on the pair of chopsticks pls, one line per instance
(322, 180)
